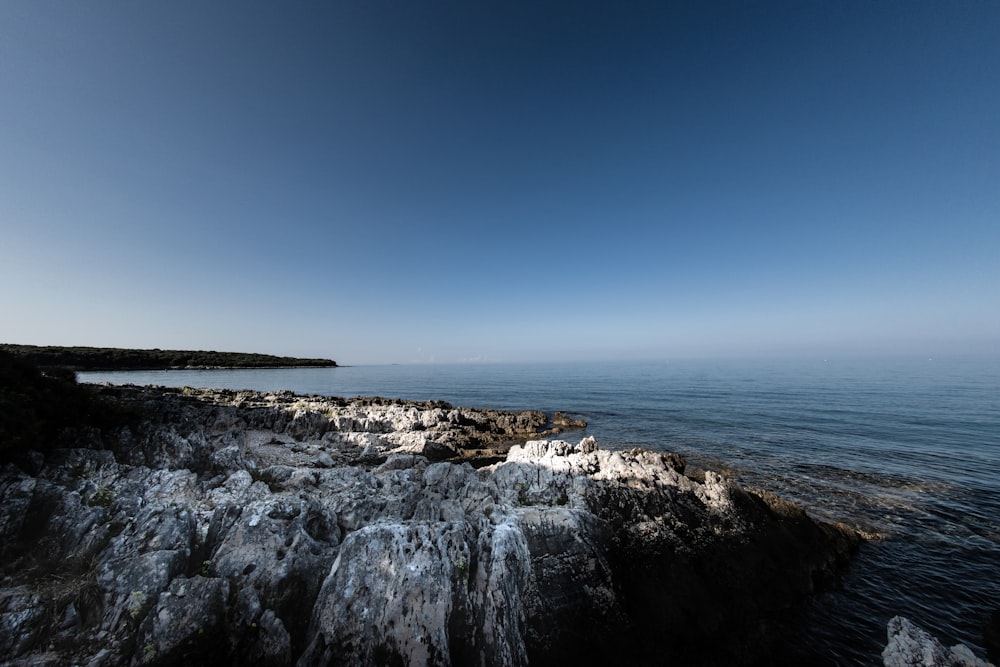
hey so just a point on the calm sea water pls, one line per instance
(905, 448)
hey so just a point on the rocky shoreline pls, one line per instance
(277, 529)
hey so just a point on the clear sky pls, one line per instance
(444, 181)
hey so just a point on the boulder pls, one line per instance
(911, 646)
(185, 624)
(306, 425)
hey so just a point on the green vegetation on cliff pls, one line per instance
(115, 359)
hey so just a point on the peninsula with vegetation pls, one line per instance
(118, 359)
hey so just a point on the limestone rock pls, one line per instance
(22, 612)
(185, 624)
(413, 571)
(243, 528)
(306, 424)
(912, 646)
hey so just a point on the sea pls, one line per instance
(905, 449)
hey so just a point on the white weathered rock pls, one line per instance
(912, 646)
(392, 592)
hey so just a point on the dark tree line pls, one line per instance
(110, 358)
(38, 408)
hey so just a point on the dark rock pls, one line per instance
(991, 635)
(307, 425)
(279, 547)
(562, 420)
(22, 620)
(436, 451)
(663, 556)
(185, 625)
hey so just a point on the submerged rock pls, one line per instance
(239, 527)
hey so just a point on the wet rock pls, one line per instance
(912, 646)
(563, 420)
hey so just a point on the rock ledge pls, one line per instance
(912, 646)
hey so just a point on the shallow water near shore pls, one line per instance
(908, 449)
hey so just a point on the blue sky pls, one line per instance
(385, 182)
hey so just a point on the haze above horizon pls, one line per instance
(380, 182)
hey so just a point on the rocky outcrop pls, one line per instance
(274, 529)
(346, 430)
(912, 646)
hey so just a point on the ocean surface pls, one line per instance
(907, 449)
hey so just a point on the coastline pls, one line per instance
(524, 553)
(80, 358)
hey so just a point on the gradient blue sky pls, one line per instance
(446, 181)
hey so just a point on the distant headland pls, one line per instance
(118, 359)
